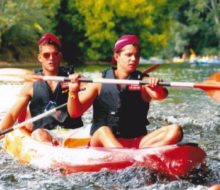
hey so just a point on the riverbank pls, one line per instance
(18, 65)
(5, 64)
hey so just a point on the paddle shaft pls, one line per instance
(31, 120)
(204, 86)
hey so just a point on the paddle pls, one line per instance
(14, 71)
(31, 120)
(12, 74)
(22, 75)
(210, 86)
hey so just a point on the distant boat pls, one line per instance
(152, 60)
(178, 60)
(205, 61)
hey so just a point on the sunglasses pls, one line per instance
(47, 55)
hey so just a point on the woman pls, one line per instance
(120, 111)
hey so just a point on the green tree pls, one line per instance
(103, 21)
(198, 27)
(21, 23)
(70, 27)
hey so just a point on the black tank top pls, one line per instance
(42, 95)
(124, 110)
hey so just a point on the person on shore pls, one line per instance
(120, 111)
(41, 95)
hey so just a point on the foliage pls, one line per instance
(21, 23)
(104, 21)
(71, 29)
(198, 26)
(89, 28)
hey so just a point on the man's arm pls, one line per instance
(20, 106)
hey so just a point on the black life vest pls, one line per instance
(123, 110)
(42, 95)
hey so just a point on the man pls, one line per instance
(120, 111)
(39, 95)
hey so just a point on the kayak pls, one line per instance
(73, 155)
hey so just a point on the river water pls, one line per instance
(198, 114)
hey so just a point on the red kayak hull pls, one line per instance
(171, 160)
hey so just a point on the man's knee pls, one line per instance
(177, 131)
(41, 134)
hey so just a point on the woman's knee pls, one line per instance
(41, 135)
(102, 131)
(104, 136)
(98, 135)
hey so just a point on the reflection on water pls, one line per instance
(192, 108)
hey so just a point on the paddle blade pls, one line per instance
(14, 71)
(214, 93)
(17, 75)
(212, 88)
(150, 69)
(215, 77)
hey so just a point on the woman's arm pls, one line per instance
(153, 90)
